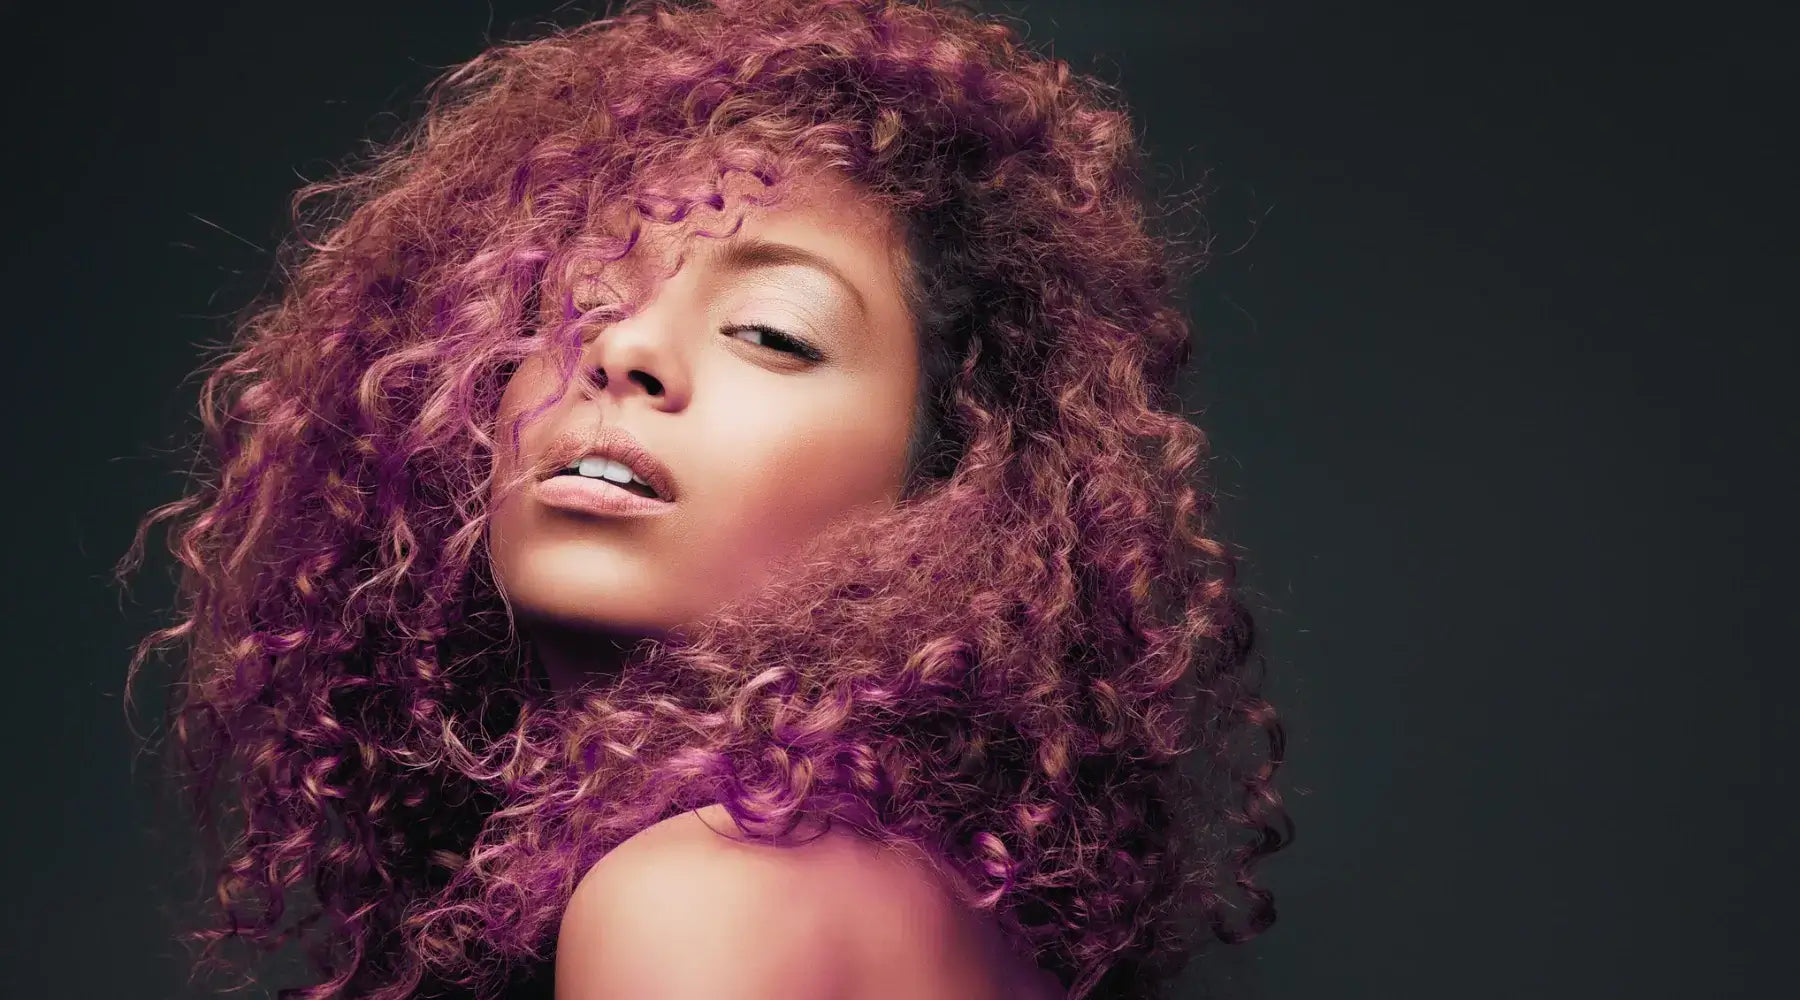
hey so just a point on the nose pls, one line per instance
(640, 355)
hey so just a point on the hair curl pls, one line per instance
(1006, 669)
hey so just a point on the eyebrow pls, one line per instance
(750, 254)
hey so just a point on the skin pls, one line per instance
(765, 447)
(685, 910)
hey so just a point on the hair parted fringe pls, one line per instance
(1011, 668)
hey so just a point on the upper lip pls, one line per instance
(614, 443)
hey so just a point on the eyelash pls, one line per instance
(800, 347)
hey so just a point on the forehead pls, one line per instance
(821, 212)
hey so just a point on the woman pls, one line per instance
(896, 660)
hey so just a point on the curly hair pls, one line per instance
(1034, 667)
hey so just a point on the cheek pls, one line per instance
(788, 472)
(530, 385)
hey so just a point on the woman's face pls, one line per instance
(764, 445)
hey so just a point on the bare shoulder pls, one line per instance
(684, 910)
(670, 914)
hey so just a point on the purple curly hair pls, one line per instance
(1009, 668)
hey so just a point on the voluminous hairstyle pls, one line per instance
(1034, 666)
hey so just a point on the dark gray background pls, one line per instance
(1492, 354)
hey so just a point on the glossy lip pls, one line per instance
(598, 497)
(617, 444)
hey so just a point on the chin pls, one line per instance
(573, 606)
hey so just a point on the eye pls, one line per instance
(779, 341)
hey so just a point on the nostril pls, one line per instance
(651, 383)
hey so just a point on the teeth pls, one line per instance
(604, 468)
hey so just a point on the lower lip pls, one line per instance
(597, 496)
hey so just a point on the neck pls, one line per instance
(577, 658)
